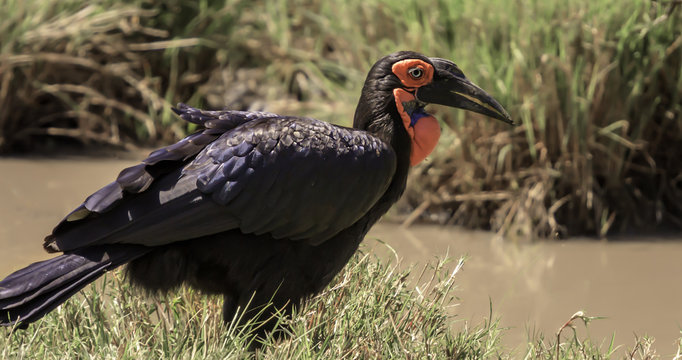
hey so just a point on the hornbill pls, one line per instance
(258, 207)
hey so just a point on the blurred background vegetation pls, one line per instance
(596, 84)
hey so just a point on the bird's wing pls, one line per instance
(293, 178)
(300, 179)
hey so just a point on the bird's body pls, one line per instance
(256, 206)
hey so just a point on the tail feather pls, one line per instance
(30, 293)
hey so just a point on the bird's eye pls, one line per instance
(416, 72)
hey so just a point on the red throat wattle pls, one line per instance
(424, 133)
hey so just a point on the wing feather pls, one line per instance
(294, 178)
(326, 177)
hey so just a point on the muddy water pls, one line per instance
(636, 283)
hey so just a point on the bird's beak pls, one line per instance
(456, 91)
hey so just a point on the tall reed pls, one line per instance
(596, 86)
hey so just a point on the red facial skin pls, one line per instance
(426, 131)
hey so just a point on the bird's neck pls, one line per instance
(383, 121)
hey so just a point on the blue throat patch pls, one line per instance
(417, 114)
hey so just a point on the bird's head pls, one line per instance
(399, 86)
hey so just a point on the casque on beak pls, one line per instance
(451, 88)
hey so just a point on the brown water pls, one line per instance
(636, 283)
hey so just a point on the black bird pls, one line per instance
(257, 207)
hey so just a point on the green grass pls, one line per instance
(373, 310)
(596, 85)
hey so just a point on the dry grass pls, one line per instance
(74, 74)
(598, 89)
(596, 84)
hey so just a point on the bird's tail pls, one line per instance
(29, 293)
